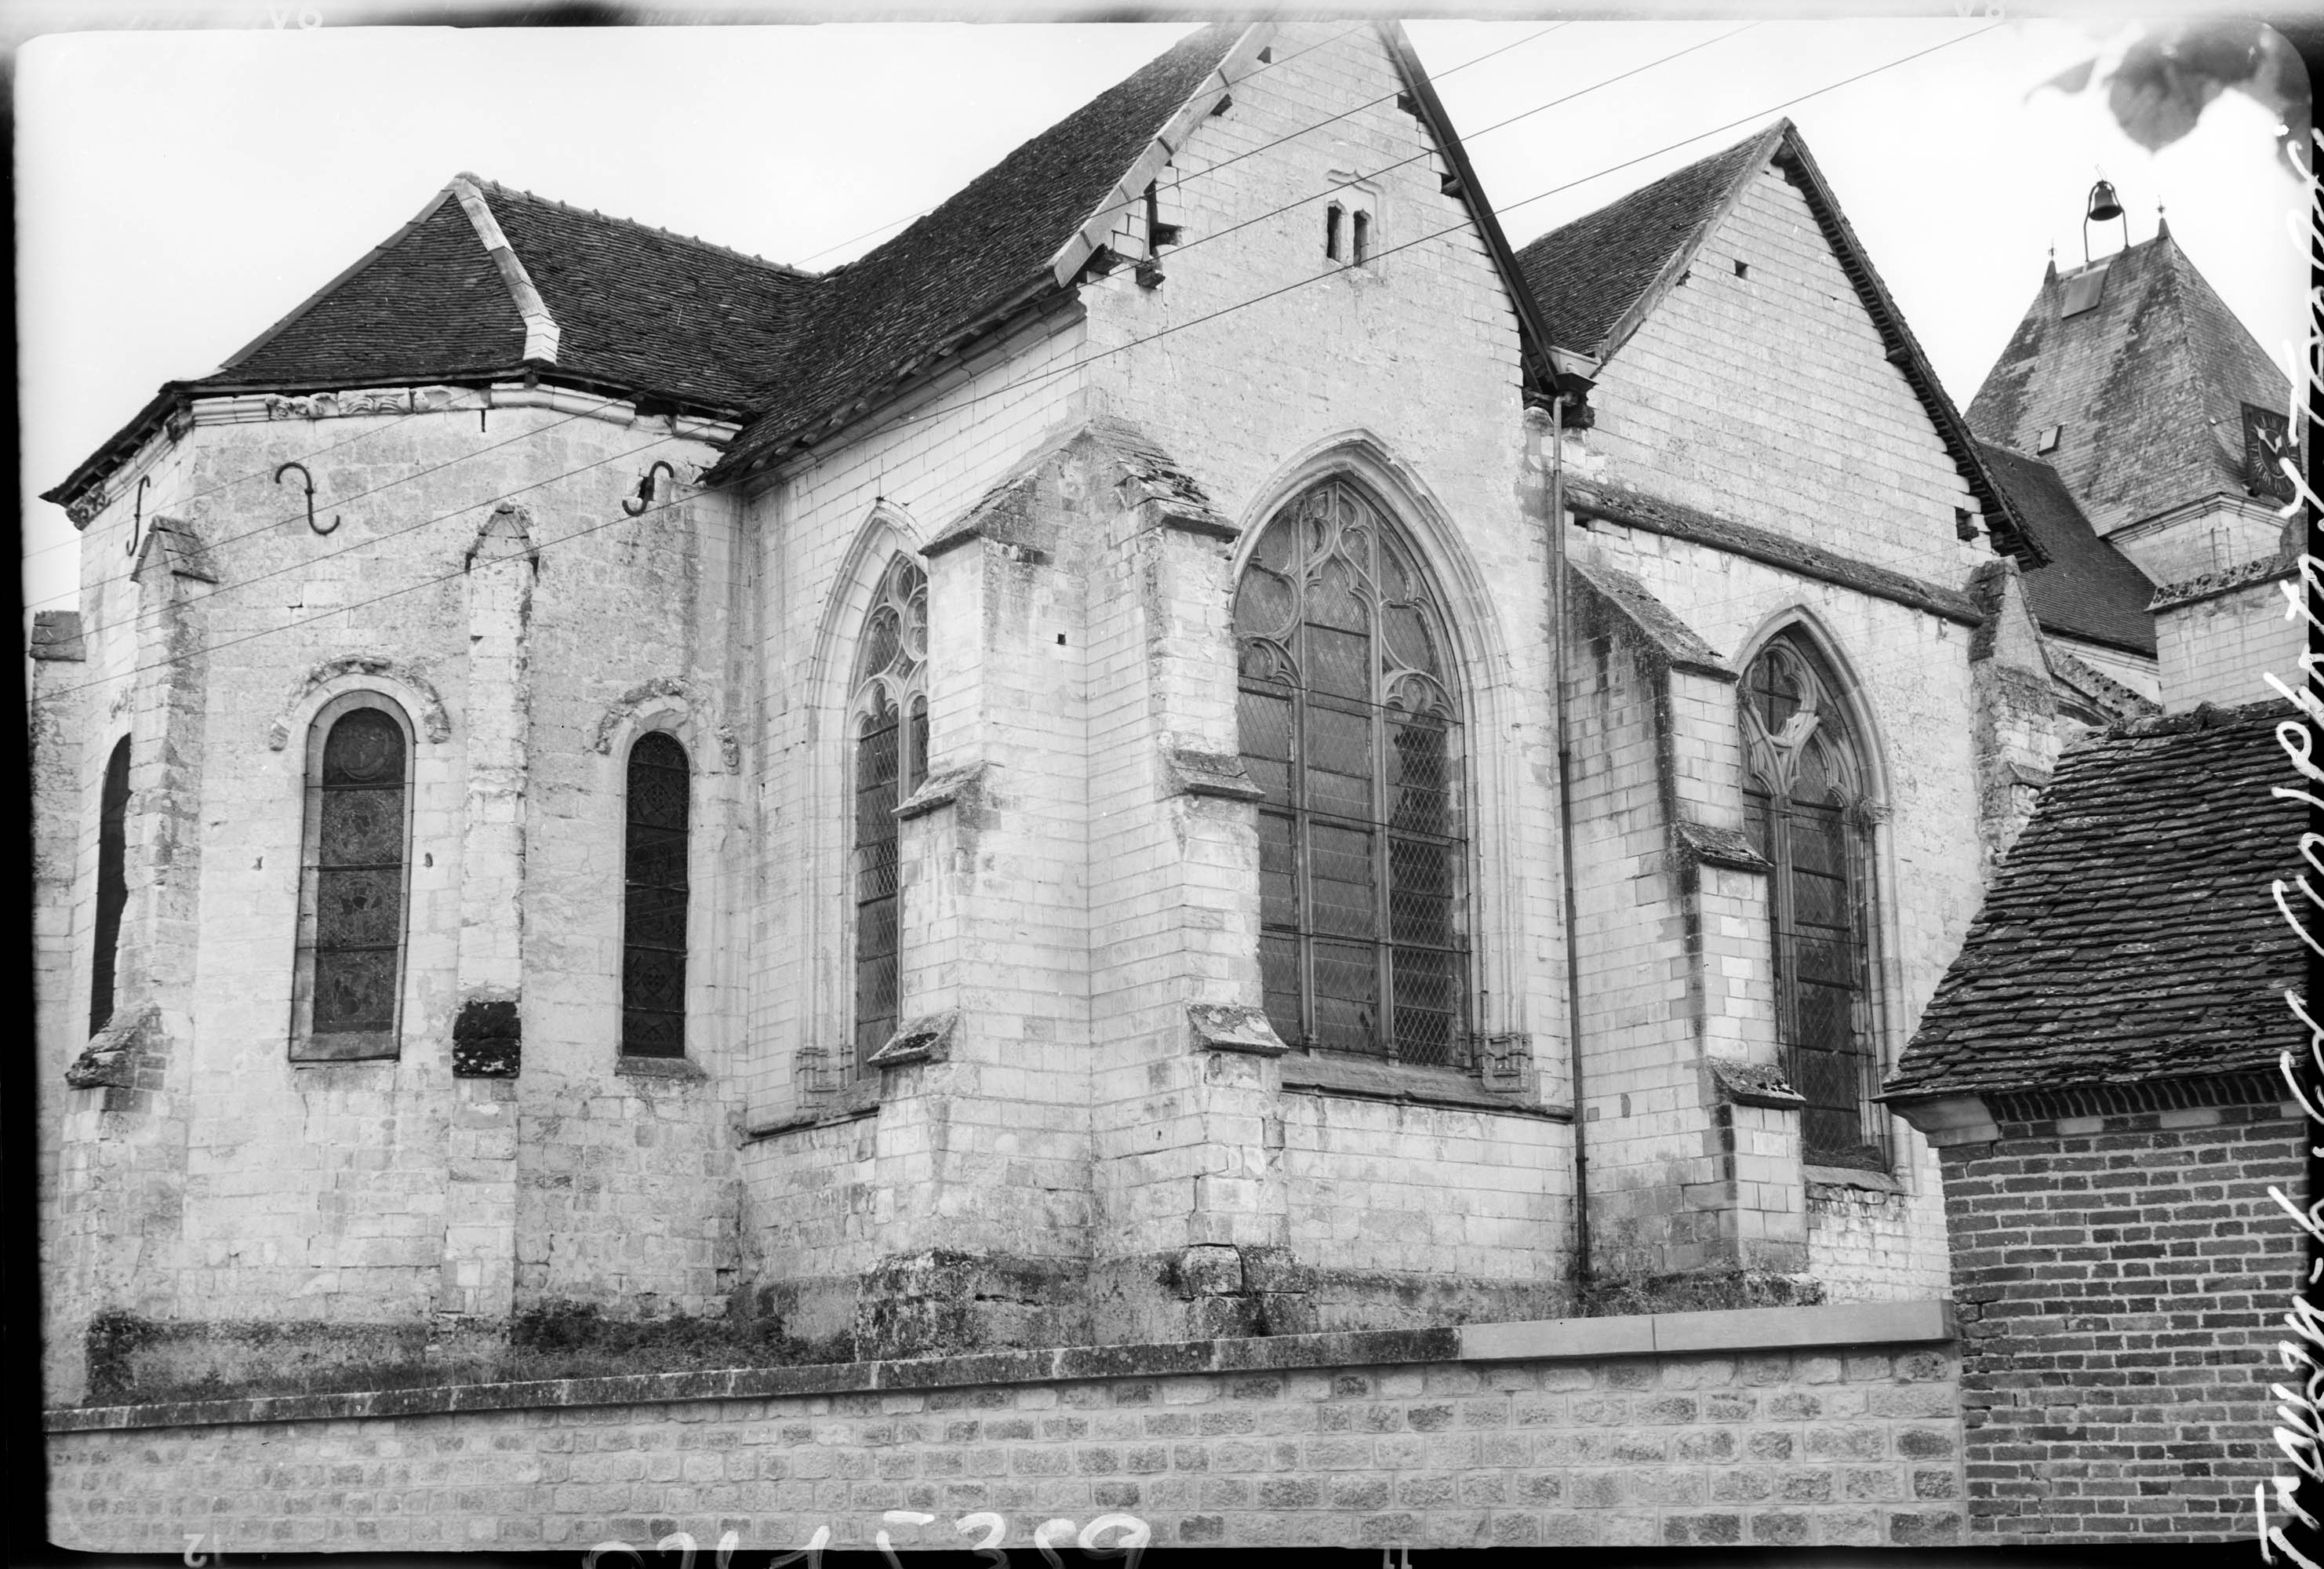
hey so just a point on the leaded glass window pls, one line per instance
(888, 727)
(352, 913)
(112, 883)
(654, 899)
(1804, 801)
(1350, 726)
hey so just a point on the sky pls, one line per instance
(179, 192)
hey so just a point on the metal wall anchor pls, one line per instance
(310, 478)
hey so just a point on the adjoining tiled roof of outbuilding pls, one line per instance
(2146, 387)
(989, 244)
(2130, 936)
(2089, 589)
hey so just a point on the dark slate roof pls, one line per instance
(425, 302)
(2130, 935)
(640, 307)
(2089, 589)
(984, 248)
(2147, 386)
(1593, 270)
(637, 308)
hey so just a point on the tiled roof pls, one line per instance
(2147, 386)
(2089, 589)
(2130, 935)
(1592, 271)
(638, 309)
(989, 245)
(428, 301)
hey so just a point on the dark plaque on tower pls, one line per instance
(2267, 436)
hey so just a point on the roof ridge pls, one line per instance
(497, 188)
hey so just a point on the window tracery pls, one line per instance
(1807, 812)
(1350, 725)
(888, 725)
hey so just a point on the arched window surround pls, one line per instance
(1501, 888)
(1863, 788)
(683, 714)
(307, 1043)
(818, 904)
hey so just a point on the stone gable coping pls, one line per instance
(1675, 520)
(2227, 580)
(1856, 1323)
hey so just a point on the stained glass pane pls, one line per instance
(112, 883)
(1342, 880)
(1339, 759)
(1347, 988)
(1278, 972)
(1278, 870)
(355, 990)
(1338, 662)
(355, 880)
(655, 900)
(1427, 1005)
(1263, 724)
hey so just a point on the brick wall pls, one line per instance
(1436, 1439)
(2119, 1280)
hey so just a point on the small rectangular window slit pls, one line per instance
(1332, 232)
(1362, 238)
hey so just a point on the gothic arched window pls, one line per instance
(1350, 726)
(351, 880)
(1804, 799)
(654, 898)
(112, 883)
(887, 731)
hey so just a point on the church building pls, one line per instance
(1193, 751)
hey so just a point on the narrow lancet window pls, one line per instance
(887, 729)
(654, 898)
(112, 883)
(1350, 723)
(1805, 807)
(351, 923)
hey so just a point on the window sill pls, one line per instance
(1402, 1082)
(847, 1105)
(658, 1067)
(1849, 1176)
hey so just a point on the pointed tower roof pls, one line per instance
(2143, 371)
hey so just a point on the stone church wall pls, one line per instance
(363, 1196)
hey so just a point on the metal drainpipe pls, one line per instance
(1555, 523)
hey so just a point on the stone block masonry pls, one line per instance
(1790, 1427)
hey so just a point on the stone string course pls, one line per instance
(1801, 1445)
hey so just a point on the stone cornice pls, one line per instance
(1856, 1323)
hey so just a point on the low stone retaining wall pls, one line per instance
(1790, 1426)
